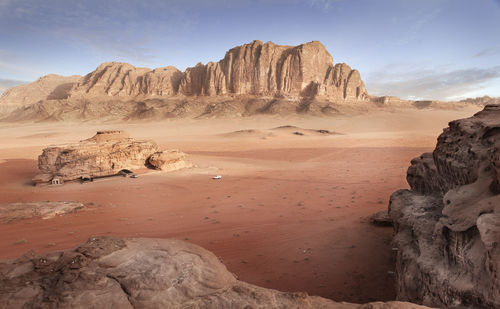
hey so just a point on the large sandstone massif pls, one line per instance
(255, 78)
(142, 273)
(251, 79)
(447, 226)
(105, 154)
(251, 69)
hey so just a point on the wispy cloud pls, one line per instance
(125, 29)
(324, 4)
(7, 83)
(490, 51)
(428, 83)
(416, 25)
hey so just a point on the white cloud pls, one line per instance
(490, 51)
(433, 83)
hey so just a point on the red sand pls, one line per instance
(290, 213)
(299, 228)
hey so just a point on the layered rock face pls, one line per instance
(105, 154)
(251, 69)
(447, 227)
(142, 273)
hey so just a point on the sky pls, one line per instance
(425, 49)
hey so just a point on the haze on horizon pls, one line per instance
(428, 49)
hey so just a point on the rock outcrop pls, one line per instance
(447, 227)
(142, 273)
(168, 160)
(105, 154)
(45, 210)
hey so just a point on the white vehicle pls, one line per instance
(217, 177)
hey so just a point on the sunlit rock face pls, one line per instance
(268, 69)
(263, 69)
(447, 227)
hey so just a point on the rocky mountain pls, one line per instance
(48, 87)
(114, 79)
(482, 101)
(111, 272)
(255, 78)
(251, 69)
(105, 154)
(447, 226)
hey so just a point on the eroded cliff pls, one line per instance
(447, 227)
(262, 69)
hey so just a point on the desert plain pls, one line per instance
(291, 211)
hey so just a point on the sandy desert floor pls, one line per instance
(290, 213)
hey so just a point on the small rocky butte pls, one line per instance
(105, 154)
(447, 226)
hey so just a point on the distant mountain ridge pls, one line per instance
(251, 69)
(254, 78)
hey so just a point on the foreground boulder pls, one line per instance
(447, 227)
(142, 273)
(105, 154)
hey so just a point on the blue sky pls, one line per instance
(430, 49)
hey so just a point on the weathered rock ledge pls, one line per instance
(45, 210)
(447, 227)
(142, 273)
